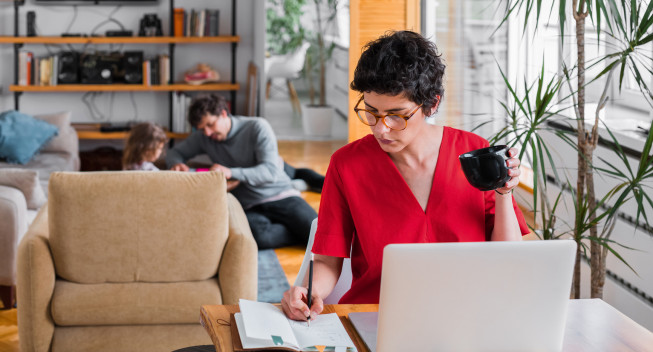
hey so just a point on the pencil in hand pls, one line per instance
(310, 289)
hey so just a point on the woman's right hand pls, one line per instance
(294, 304)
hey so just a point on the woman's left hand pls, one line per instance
(513, 170)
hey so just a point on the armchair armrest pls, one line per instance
(36, 278)
(13, 217)
(238, 270)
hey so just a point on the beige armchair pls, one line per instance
(122, 261)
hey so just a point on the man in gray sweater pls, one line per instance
(245, 150)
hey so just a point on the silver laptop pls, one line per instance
(474, 296)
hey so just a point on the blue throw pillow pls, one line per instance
(22, 136)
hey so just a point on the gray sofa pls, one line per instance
(60, 154)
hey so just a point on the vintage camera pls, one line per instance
(150, 26)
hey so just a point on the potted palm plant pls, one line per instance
(317, 115)
(531, 111)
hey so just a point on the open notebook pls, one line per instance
(262, 326)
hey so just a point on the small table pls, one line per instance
(215, 319)
(592, 325)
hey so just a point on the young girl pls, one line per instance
(144, 146)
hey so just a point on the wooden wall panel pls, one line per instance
(369, 19)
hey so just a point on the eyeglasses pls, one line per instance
(395, 122)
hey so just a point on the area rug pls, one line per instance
(272, 282)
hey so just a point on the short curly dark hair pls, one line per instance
(401, 62)
(206, 104)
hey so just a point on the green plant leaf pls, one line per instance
(605, 243)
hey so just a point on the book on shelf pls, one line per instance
(30, 68)
(262, 326)
(197, 23)
(37, 71)
(54, 78)
(45, 64)
(25, 68)
(179, 22)
(200, 23)
(180, 104)
(36, 76)
(192, 20)
(154, 71)
(164, 69)
(188, 24)
(147, 73)
(214, 21)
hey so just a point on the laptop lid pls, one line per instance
(476, 296)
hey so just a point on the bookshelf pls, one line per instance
(172, 41)
(176, 87)
(119, 40)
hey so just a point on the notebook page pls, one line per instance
(249, 342)
(325, 330)
(263, 321)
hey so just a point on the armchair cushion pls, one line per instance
(27, 181)
(22, 136)
(137, 226)
(131, 303)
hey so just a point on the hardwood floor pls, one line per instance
(8, 331)
(314, 155)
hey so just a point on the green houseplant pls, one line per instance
(321, 49)
(317, 115)
(283, 28)
(628, 25)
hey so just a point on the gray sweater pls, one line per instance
(250, 151)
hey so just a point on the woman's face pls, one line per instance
(392, 141)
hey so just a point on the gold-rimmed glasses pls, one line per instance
(393, 121)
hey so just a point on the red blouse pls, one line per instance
(366, 204)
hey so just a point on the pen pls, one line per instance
(310, 288)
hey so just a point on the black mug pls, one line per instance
(486, 168)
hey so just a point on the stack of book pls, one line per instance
(180, 104)
(156, 71)
(200, 23)
(37, 71)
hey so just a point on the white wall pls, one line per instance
(54, 20)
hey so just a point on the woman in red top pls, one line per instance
(403, 183)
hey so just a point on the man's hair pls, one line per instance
(208, 104)
(401, 62)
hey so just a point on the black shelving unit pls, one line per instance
(171, 52)
(234, 47)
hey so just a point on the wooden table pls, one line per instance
(592, 325)
(215, 318)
